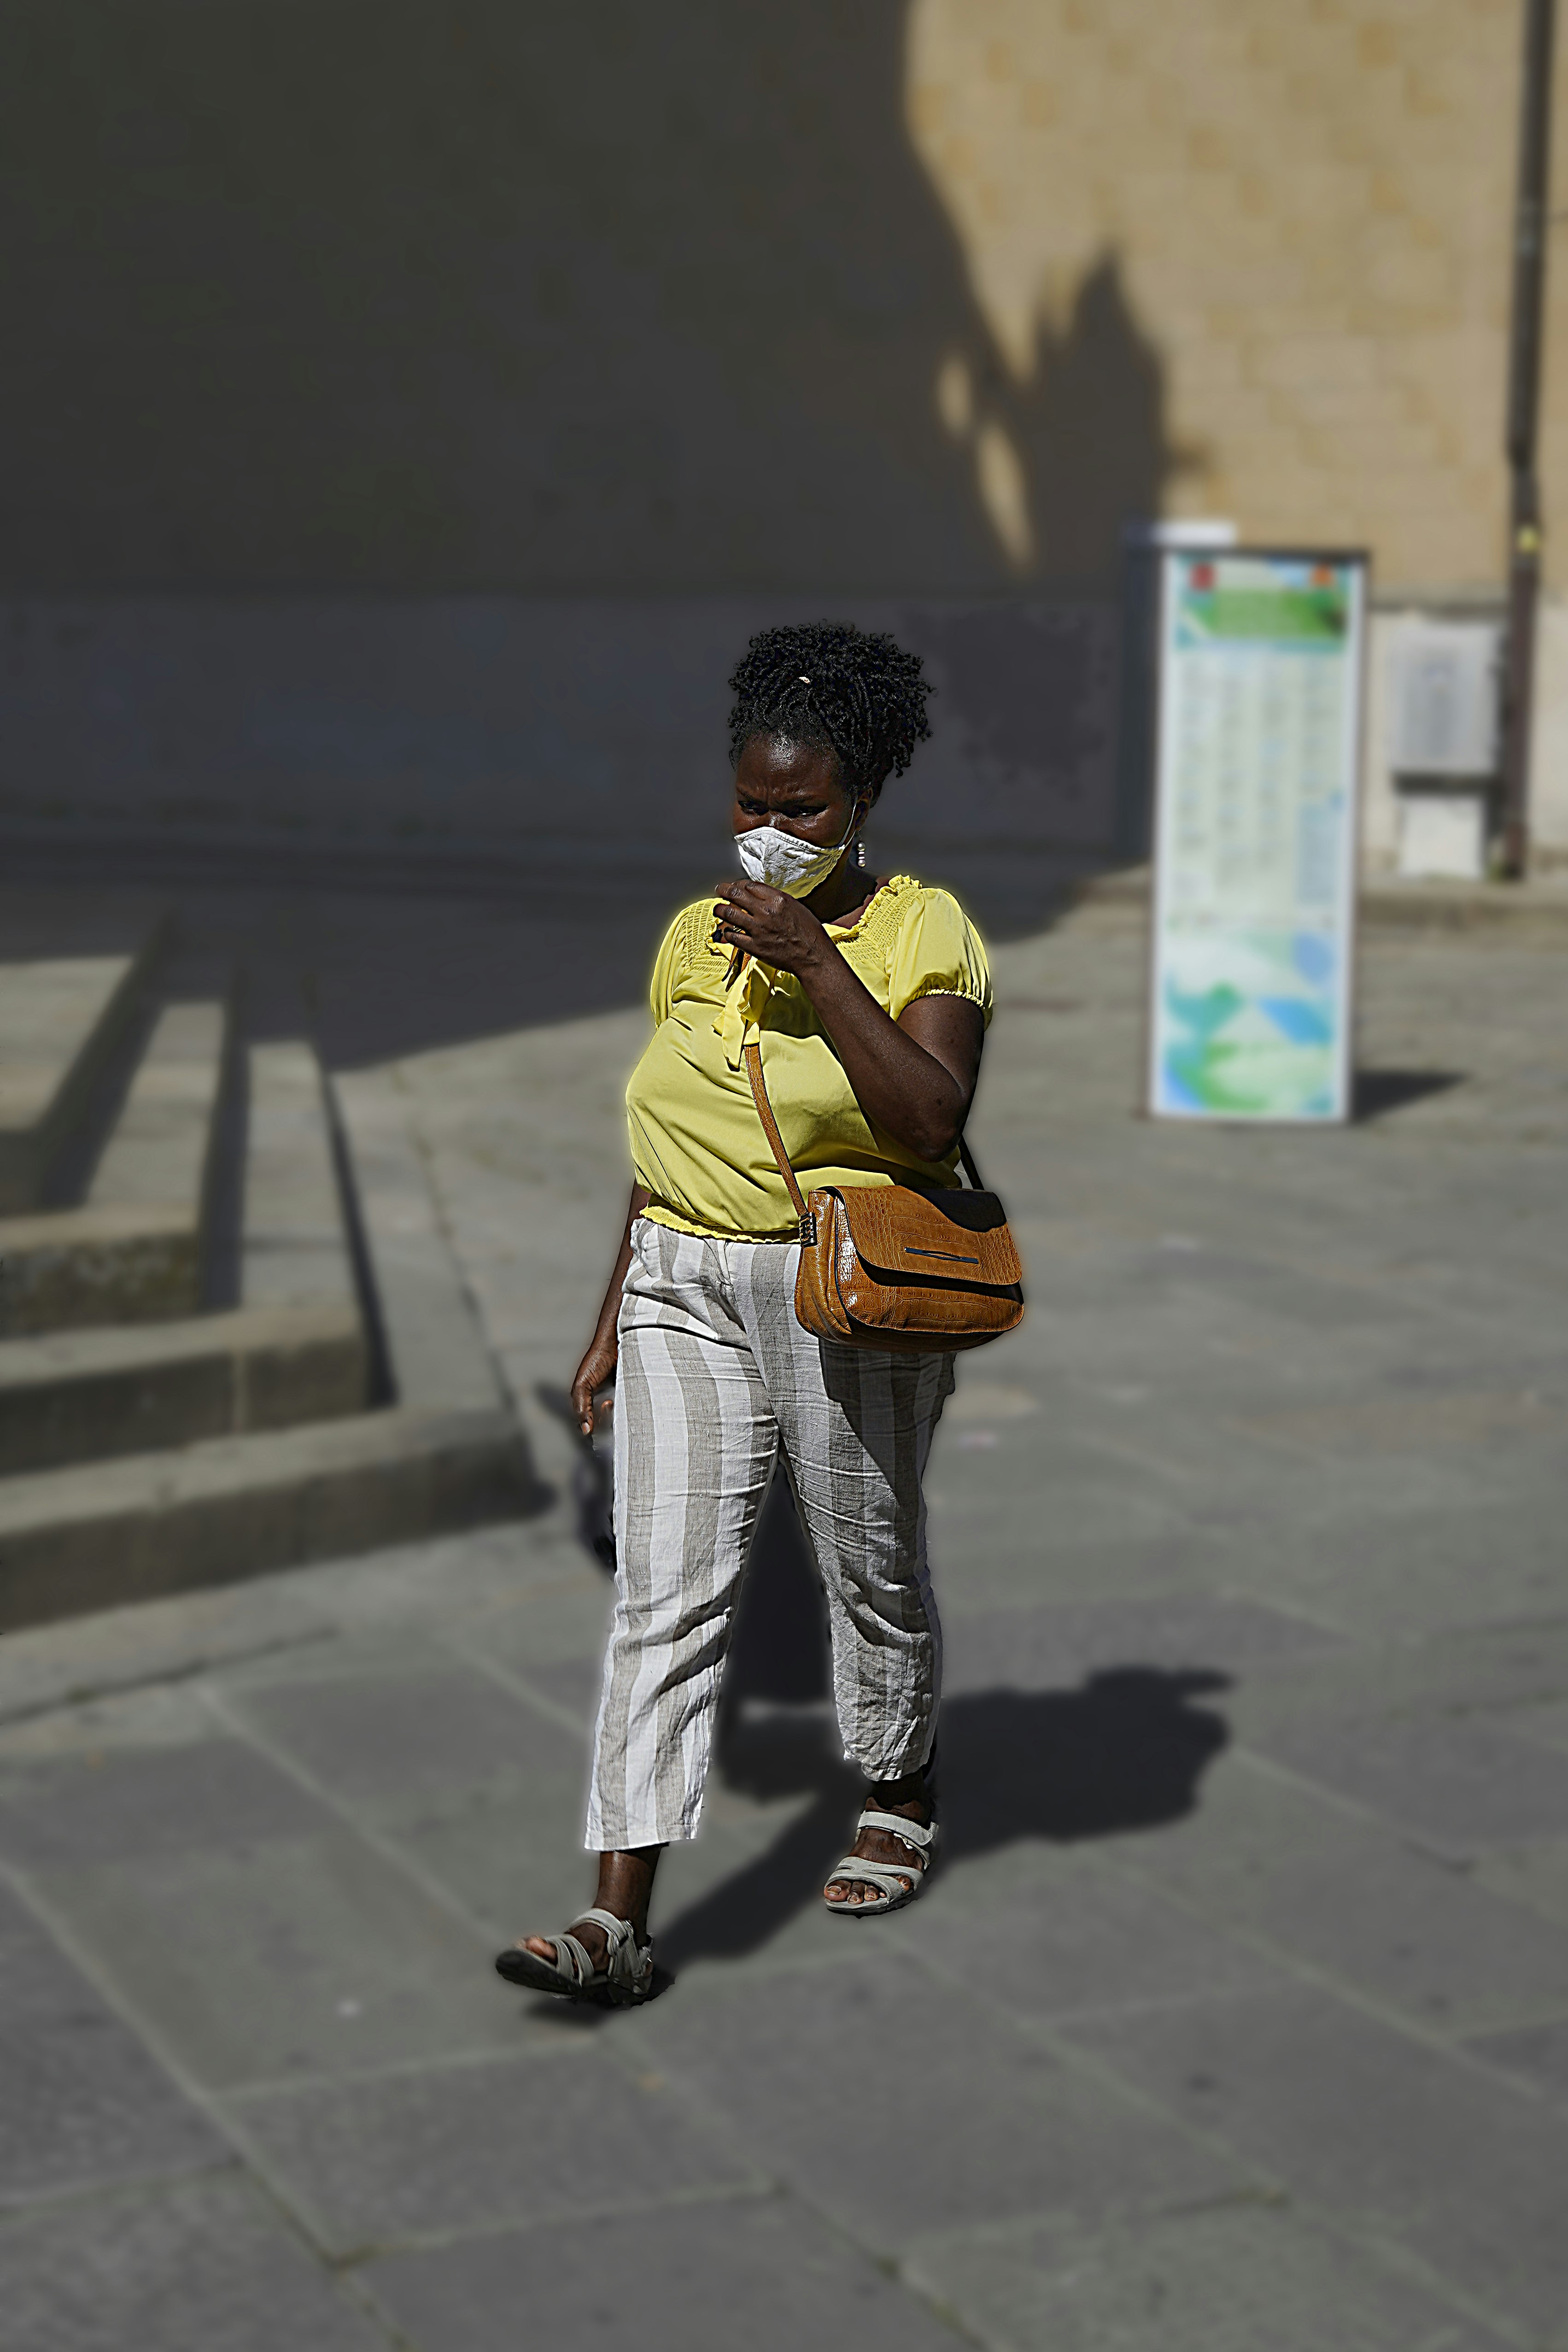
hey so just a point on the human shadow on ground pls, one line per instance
(1125, 1750)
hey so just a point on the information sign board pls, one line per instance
(1260, 683)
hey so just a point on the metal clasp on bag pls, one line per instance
(808, 1229)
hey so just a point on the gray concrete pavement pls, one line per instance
(1237, 2015)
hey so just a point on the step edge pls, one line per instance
(100, 1350)
(192, 1474)
(43, 1139)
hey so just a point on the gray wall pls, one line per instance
(531, 727)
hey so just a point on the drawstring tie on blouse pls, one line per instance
(740, 1019)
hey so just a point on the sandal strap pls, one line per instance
(626, 1961)
(616, 1930)
(887, 1877)
(919, 1835)
(567, 1948)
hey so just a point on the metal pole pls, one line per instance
(1530, 224)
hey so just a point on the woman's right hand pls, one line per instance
(597, 1368)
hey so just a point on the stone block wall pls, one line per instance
(1307, 214)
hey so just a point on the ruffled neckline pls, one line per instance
(888, 890)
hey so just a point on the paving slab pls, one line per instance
(1460, 1784)
(111, 1803)
(308, 1956)
(1001, 2125)
(1385, 1561)
(204, 2266)
(450, 2149)
(512, 1860)
(1207, 1632)
(382, 1742)
(82, 2103)
(1340, 2110)
(1537, 2054)
(681, 2280)
(1060, 1945)
(1227, 2279)
(1535, 1875)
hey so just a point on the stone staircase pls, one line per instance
(233, 1337)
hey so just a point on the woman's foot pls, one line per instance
(912, 1797)
(565, 1967)
(625, 1884)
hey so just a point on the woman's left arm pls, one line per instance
(913, 1078)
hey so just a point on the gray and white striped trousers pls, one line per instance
(715, 1379)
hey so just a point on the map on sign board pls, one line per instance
(1259, 688)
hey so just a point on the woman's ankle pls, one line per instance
(626, 1884)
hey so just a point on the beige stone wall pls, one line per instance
(1304, 211)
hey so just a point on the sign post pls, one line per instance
(1260, 691)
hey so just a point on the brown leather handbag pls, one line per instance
(889, 1266)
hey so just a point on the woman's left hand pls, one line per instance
(766, 923)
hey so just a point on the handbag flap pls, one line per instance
(903, 1236)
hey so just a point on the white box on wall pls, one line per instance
(1433, 741)
(1442, 699)
(1443, 836)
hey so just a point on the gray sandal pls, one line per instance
(887, 1877)
(626, 1978)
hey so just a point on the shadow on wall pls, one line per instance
(547, 301)
(1065, 459)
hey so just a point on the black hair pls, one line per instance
(829, 685)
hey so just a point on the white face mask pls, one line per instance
(786, 862)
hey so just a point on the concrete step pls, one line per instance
(133, 1251)
(447, 1454)
(86, 1396)
(236, 1507)
(61, 1018)
(294, 1247)
(438, 1355)
(294, 1352)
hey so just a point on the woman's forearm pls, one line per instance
(598, 1363)
(610, 1308)
(907, 1091)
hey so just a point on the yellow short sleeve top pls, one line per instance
(696, 1142)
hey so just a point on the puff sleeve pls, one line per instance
(938, 952)
(674, 954)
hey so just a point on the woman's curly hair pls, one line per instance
(831, 684)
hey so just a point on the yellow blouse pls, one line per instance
(696, 1142)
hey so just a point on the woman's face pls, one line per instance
(797, 786)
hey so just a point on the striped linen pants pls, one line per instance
(717, 1379)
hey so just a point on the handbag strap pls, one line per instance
(752, 1056)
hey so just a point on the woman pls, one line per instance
(869, 998)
